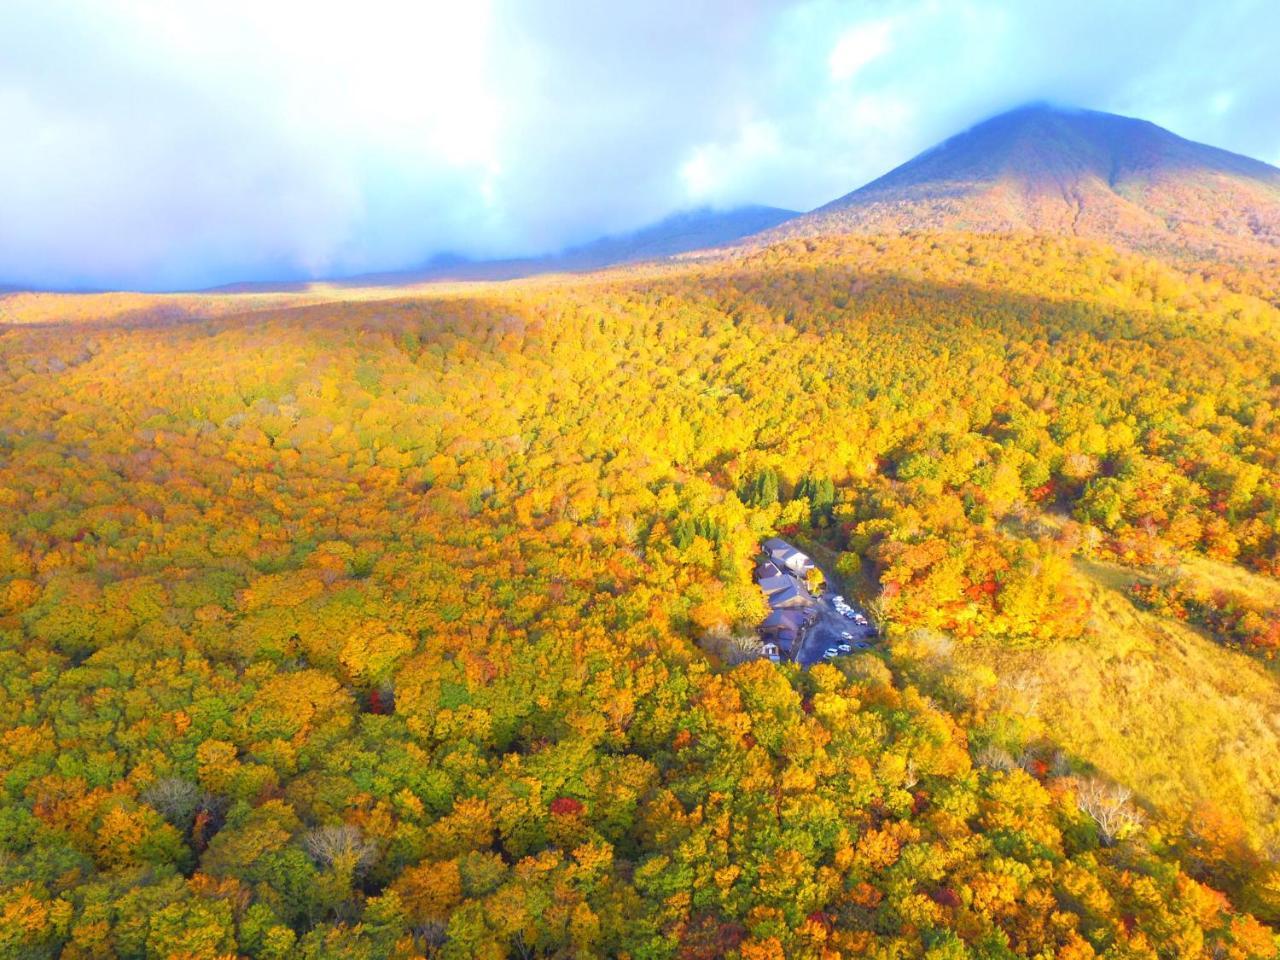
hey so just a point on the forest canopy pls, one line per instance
(373, 628)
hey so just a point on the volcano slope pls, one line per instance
(1051, 170)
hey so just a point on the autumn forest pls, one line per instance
(394, 626)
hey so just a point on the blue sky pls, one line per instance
(173, 144)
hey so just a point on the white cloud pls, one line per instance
(188, 142)
(205, 141)
(715, 172)
(857, 47)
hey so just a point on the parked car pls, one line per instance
(846, 635)
(844, 648)
(859, 619)
(861, 645)
(849, 613)
(830, 653)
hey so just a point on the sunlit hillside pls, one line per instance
(1046, 169)
(1149, 701)
(388, 623)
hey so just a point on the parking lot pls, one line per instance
(803, 626)
(827, 630)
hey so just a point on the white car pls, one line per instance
(830, 653)
(846, 635)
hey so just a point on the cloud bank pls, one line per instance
(162, 145)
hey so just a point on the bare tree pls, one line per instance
(431, 935)
(1110, 806)
(343, 845)
(520, 947)
(910, 776)
(175, 799)
(1020, 693)
(743, 647)
(1059, 764)
(933, 644)
(996, 758)
(871, 669)
(732, 649)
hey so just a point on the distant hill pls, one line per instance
(697, 229)
(680, 233)
(1054, 170)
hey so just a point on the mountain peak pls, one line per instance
(1050, 168)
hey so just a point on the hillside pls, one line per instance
(683, 232)
(680, 233)
(1076, 172)
(704, 228)
(1151, 701)
(373, 626)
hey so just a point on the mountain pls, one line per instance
(679, 233)
(682, 232)
(1066, 171)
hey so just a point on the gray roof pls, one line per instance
(779, 551)
(793, 619)
(774, 584)
(793, 591)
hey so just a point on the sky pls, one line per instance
(180, 144)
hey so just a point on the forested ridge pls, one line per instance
(379, 628)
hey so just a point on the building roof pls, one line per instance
(779, 551)
(776, 583)
(793, 591)
(767, 569)
(793, 619)
(791, 553)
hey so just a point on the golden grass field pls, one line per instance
(1148, 701)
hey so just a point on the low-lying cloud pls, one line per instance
(157, 144)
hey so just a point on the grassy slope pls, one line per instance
(1214, 574)
(1153, 703)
